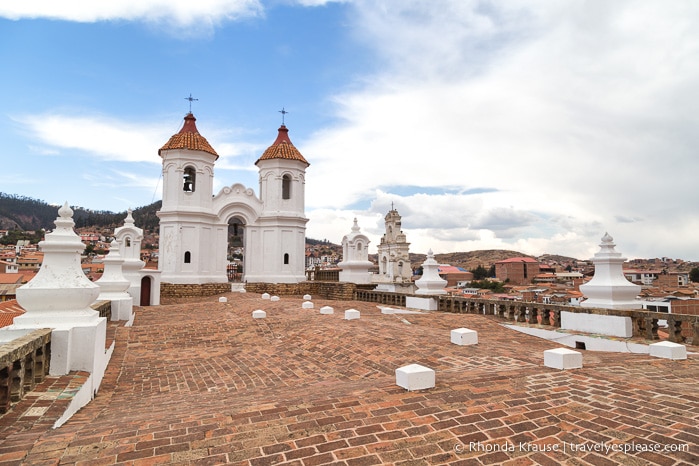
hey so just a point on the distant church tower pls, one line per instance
(395, 272)
(194, 222)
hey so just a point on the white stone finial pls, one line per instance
(355, 226)
(64, 222)
(431, 282)
(129, 221)
(609, 288)
(60, 284)
(65, 211)
(607, 248)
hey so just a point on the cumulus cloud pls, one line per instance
(577, 114)
(104, 137)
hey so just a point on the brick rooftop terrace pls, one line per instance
(204, 383)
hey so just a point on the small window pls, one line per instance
(359, 247)
(128, 242)
(286, 187)
(286, 258)
(189, 180)
(187, 257)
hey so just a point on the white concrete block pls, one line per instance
(463, 336)
(615, 326)
(327, 310)
(122, 308)
(274, 298)
(351, 314)
(238, 287)
(306, 297)
(425, 304)
(563, 358)
(386, 310)
(222, 299)
(415, 377)
(668, 350)
(265, 296)
(307, 305)
(259, 314)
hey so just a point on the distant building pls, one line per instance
(455, 275)
(517, 270)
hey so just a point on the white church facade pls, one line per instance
(194, 222)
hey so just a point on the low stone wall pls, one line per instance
(325, 290)
(175, 290)
(104, 308)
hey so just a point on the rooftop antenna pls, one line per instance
(191, 99)
(283, 112)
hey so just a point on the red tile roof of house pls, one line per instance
(11, 278)
(517, 259)
(451, 269)
(189, 138)
(282, 148)
(8, 311)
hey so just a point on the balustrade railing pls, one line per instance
(680, 327)
(323, 275)
(24, 362)
(381, 297)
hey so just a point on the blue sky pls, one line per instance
(533, 125)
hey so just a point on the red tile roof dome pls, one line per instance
(282, 148)
(189, 138)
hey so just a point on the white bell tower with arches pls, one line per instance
(189, 230)
(279, 238)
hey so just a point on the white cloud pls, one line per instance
(106, 138)
(179, 12)
(578, 115)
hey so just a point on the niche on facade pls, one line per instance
(286, 187)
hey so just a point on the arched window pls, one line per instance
(286, 187)
(190, 178)
(128, 241)
(359, 247)
(286, 258)
(187, 257)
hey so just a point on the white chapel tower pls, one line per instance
(189, 230)
(278, 240)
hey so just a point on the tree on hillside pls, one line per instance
(495, 287)
(694, 275)
(479, 273)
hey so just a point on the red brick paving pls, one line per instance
(204, 383)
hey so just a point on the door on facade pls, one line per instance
(145, 291)
(236, 249)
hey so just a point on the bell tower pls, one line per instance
(190, 233)
(279, 245)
